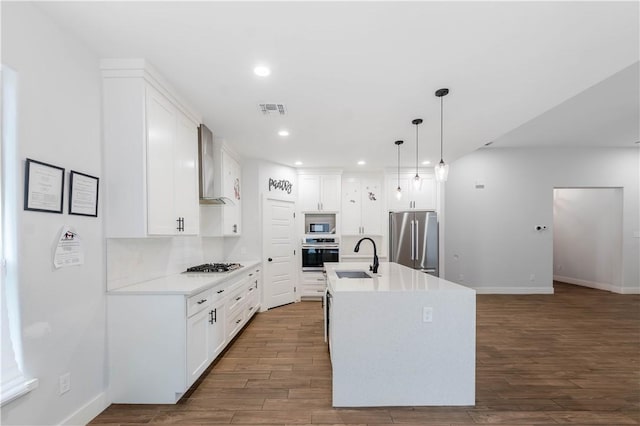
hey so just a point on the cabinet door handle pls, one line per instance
(200, 302)
(220, 291)
(213, 316)
(251, 308)
(238, 298)
(239, 321)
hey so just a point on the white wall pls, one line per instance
(490, 241)
(62, 311)
(587, 236)
(255, 177)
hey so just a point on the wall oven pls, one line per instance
(316, 251)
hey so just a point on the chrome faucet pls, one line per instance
(373, 268)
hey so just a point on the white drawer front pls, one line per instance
(199, 302)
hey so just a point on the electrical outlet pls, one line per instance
(65, 383)
(427, 314)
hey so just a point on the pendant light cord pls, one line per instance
(441, 127)
(398, 165)
(417, 149)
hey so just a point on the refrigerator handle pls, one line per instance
(416, 243)
(413, 240)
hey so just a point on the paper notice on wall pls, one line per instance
(68, 249)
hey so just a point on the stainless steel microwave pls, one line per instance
(319, 228)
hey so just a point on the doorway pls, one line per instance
(279, 251)
(587, 237)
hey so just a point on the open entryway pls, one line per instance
(279, 252)
(587, 237)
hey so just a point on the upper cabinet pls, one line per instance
(362, 206)
(150, 154)
(224, 220)
(421, 197)
(319, 192)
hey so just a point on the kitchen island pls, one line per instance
(399, 338)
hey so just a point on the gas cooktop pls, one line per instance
(214, 267)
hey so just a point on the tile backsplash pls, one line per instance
(133, 260)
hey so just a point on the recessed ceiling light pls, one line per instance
(425, 162)
(298, 163)
(361, 163)
(261, 71)
(283, 132)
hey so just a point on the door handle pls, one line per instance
(270, 259)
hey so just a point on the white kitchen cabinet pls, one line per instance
(160, 343)
(224, 220)
(232, 177)
(362, 202)
(319, 192)
(197, 344)
(422, 197)
(313, 285)
(150, 157)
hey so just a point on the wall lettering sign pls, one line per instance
(282, 184)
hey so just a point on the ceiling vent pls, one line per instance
(272, 109)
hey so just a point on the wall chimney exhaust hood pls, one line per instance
(209, 165)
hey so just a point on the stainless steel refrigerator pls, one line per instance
(413, 240)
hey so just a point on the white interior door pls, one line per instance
(279, 252)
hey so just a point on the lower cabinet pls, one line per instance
(313, 285)
(159, 344)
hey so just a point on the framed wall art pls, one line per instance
(83, 194)
(43, 187)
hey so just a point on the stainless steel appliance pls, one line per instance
(317, 250)
(413, 240)
(214, 267)
(207, 166)
(321, 228)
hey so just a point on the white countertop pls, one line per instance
(391, 277)
(184, 283)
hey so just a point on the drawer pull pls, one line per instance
(238, 298)
(250, 275)
(251, 308)
(239, 321)
(200, 302)
(251, 289)
(220, 291)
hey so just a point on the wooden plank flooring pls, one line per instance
(568, 358)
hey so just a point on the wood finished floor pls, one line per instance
(568, 358)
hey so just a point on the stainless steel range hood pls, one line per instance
(210, 188)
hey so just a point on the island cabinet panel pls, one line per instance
(150, 160)
(400, 338)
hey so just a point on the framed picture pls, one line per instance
(83, 194)
(43, 187)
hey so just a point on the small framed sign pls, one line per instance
(43, 187)
(83, 194)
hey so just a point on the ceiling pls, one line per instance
(353, 75)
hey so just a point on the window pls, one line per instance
(12, 384)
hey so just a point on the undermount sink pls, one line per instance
(352, 274)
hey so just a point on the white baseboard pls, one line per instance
(87, 413)
(590, 284)
(513, 290)
(630, 290)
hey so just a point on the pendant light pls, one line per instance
(416, 178)
(398, 190)
(442, 169)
